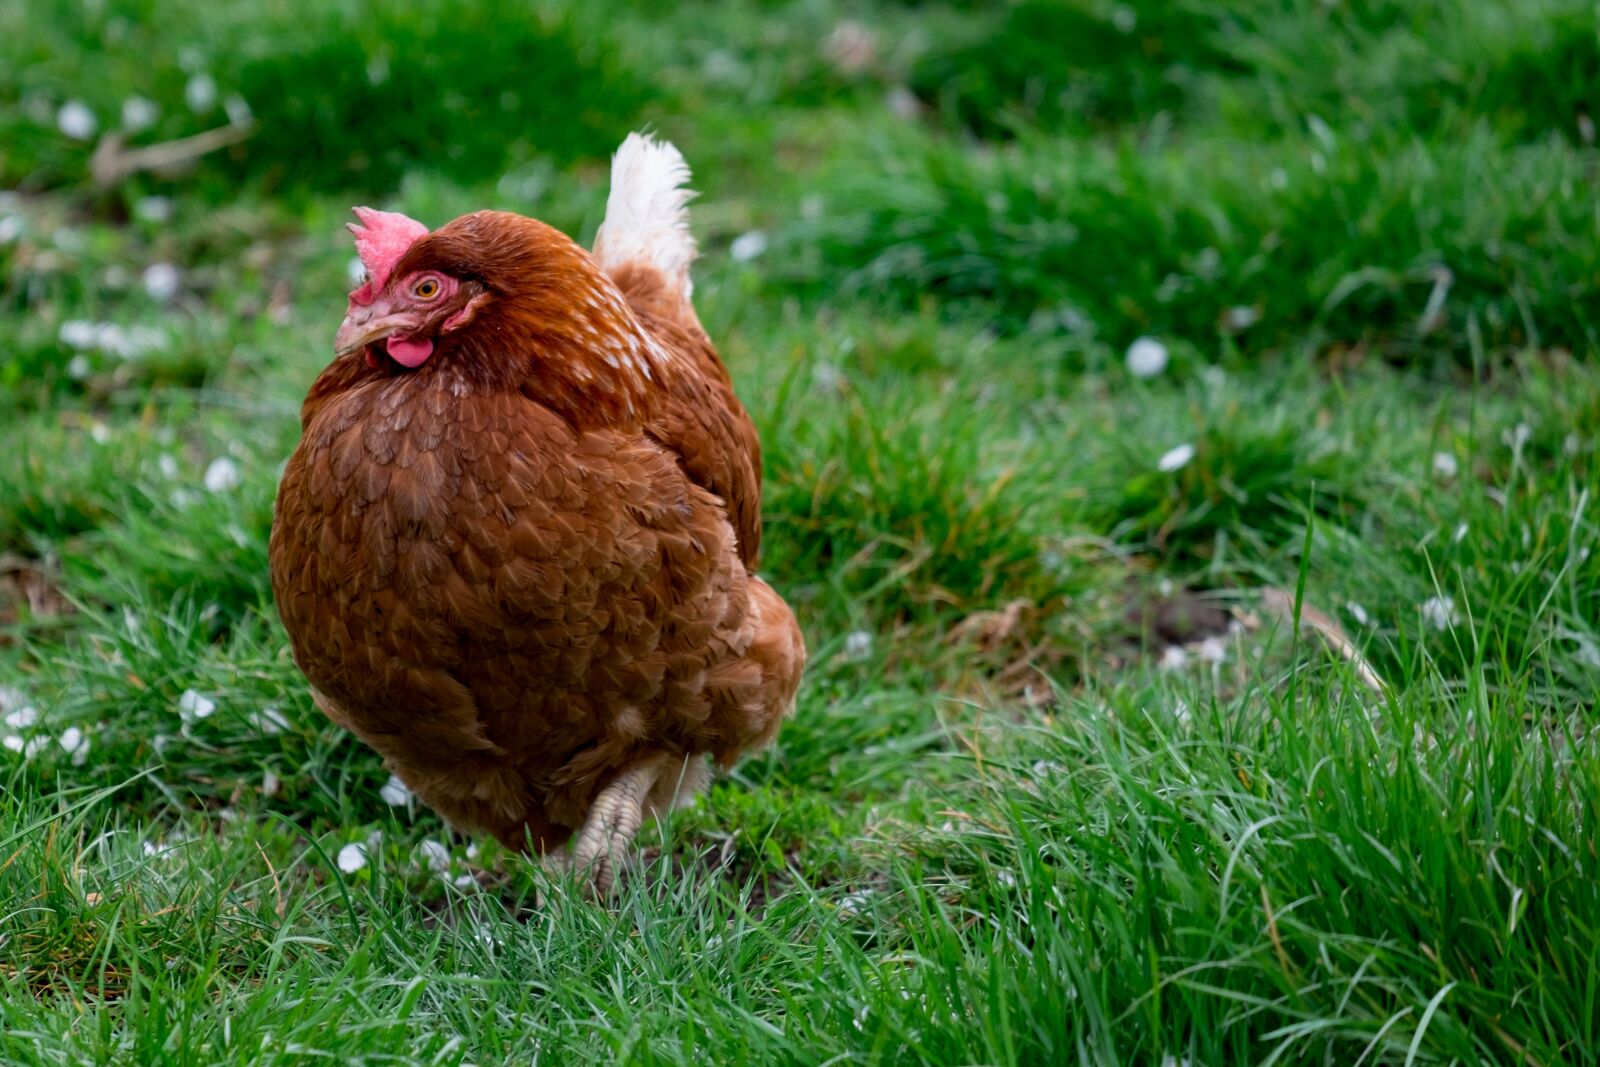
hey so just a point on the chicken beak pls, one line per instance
(363, 326)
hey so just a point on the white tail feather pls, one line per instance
(647, 213)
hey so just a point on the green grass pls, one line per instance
(1009, 823)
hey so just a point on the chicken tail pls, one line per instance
(647, 213)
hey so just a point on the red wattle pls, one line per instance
(408, 351)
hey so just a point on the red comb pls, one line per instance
(381, 239)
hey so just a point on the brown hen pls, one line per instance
(515, 549)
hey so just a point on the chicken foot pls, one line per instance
(614, 819)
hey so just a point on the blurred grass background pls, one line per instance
(1075, 330)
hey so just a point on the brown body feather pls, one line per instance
(527, 564)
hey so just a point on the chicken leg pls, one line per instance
(613, 820)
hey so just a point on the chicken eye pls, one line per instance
(427, 288)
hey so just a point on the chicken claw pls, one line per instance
(613, 820)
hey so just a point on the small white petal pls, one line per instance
(1440, 612)
(238, 109)
(854, 903)
(1241, 318)
(1358, 613)
(139, 114)
(13, 742)
(79, 367)
(1147, 357)
(72, 739)
(222, 475)
(22, 718)
(352, 857)
(167, 465)
(1461, 533)
(153, 209)
(434, 855)
(201, 92)
(77, 333)
(1445, 465)
(748, 246)
(76, 120)
(1213, 650)
(1174, 658)
(858, 644)
(394, 792)
(161, 281)
(270, 784)
(192, 706)
(269, 720)
(1175, 458)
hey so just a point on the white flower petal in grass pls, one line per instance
(138, 114)
(858, 644)
(79, 367)
(395, 792)
(76, 120)
(1439, 612)
(270, 784)
(77, 333)
(433, 855)
(222, 475)
(200, 93)
(238, 109)
(12, 742)
(153, 209)
(1175, 459)
(161, 281)
(269, 720)
(193, 706)
(1358, 613)
(99, 432)
(1241, 318)
(72, 739)
(22, 717)
(11, 227)
(1213, 650)
(1588, 650)
(748, 246)
(466, 881)
(1462, 529)
(167, 465)
(855, 903)
(1147, 357)
(1174, 658)
(1445, 465)
(352, 857)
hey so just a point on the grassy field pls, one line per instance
(1181, 426)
